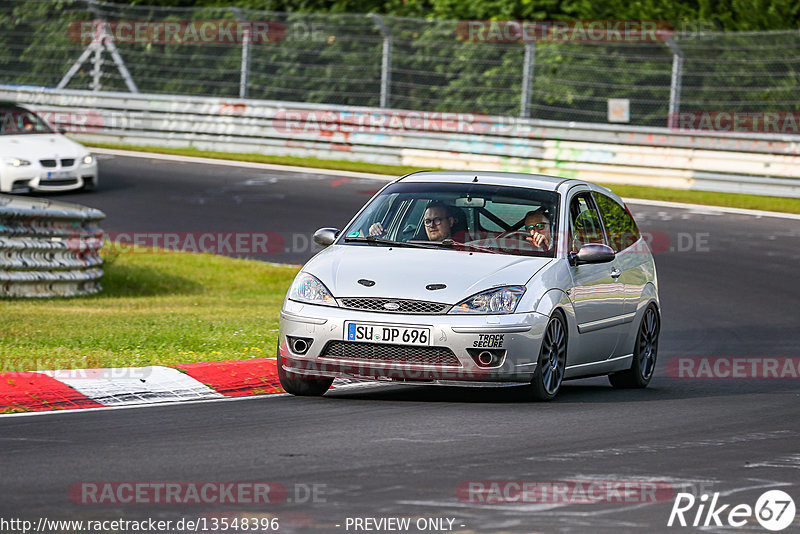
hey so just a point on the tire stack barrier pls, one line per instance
(49, 249)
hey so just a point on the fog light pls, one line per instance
(299, 345)
(487, 358)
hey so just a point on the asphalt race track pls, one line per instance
(729, 288)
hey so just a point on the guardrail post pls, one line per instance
(527, 80)
(386, 59)
(244, 76)
(675, 83)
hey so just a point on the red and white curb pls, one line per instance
(96, 388)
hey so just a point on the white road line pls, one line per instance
(134, 385)
(135, 406)
(338, 387)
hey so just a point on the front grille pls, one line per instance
(351, 350)
(48, 162)
(65, 181)
(67, 162)
(404, 306)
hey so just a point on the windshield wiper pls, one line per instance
(451, 243)
(373, 239)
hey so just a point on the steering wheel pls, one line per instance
(519, 234)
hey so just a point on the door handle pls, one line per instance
(615, 273)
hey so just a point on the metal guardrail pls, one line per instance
(526, 68)
(765, 164)
(49, 249)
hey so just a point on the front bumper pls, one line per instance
(450, 358)
(34, 177)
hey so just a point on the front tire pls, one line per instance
(644, 354)
(299, 385)
(88, 186)
(552, 360)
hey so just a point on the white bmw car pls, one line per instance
(476, 278)
(34, 157)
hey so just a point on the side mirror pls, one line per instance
(325, 236)
(592, 253)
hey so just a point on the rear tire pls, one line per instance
(644, 354)
(299, 385)
(549, 373)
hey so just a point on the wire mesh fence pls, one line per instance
(399, 63)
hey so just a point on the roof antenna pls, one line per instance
(475, 179)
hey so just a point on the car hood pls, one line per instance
(39, 146)
(405, 272)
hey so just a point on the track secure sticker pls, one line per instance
(489, 341)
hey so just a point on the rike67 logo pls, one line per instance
(774, 510)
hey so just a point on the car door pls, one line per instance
(597, 295)
(631, 260)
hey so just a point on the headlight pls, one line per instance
(16, 162)
(307, 288)
(88, 159)
(497, 300)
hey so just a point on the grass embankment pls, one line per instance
(155, 309)
(709, 198)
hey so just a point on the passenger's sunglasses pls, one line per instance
(537, 226)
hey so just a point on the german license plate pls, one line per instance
(385, 333)
(55, 175)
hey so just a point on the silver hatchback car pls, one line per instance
(476, 278)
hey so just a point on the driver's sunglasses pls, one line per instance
(537, 226)
(435, 221)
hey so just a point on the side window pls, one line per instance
(411, 225)
(585, 226)
(621, 228)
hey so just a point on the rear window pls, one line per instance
(620, 226)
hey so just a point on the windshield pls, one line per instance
(15, 120)
(473, 217)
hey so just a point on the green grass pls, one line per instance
(733, 200)
(155, 309)
(14, 409)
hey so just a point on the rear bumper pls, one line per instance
(450, 359)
